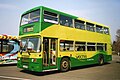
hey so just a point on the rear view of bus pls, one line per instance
(9, 47)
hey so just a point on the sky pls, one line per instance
(102, 11)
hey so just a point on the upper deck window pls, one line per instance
(90, 27)
(79, 24)
(66, 21)
(50, 17)
(30, 17)
(106, 30)
(99, 29)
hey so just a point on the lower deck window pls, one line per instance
(90, 46)
(80, 46)
(100, 46)
(66, 45)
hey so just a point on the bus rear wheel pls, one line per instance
(101, 60)
(65, 65)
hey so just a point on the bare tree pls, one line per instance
(114, 46)
(117, 43)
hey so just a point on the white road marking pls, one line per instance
(13, 78)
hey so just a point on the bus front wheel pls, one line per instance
(65, 65)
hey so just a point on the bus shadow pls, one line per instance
(4, 65)
(88, 66)
(57, 71)
(40, 73)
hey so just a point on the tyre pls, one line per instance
(65, 65)
(101, 60)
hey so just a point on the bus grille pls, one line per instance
(25, 60)
(25, 56)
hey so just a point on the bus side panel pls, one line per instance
(58, 62)
(81, 62)
(107, 58)
(93, 60)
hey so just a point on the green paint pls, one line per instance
(32, 66)
(81, 62)
(93, 60)
(35, 25)
(74, 62)
(41, 25)
(44, 25)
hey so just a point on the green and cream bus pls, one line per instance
(53, 40)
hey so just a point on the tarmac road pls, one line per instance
(109, 71)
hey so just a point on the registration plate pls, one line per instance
(24, 66)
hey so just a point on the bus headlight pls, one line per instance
(34, 60)
(18, 58)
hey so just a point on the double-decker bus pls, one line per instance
(9, 47)
(53, 40)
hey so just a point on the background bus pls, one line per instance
(53, 40)
(9, 47)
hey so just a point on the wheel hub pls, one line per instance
(65, 64)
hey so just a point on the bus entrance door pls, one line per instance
(49, 53)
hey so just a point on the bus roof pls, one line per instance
(63, 13)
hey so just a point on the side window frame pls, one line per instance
(90, 27)
(100, 46)
(91, 46)
(80, 46)
(50, 17)
(105, 46)
(66, 21)
(106, 30)
(99, 29)
(79, 24)
(66, 45)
